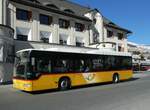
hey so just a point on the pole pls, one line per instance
(1, 11)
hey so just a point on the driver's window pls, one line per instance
(42, 65)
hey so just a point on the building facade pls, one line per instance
(116, 35)
(140, 55)
(107, 34)
(48, 24)
(60, 23)
(65, 23)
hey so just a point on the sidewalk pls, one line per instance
(140, 74)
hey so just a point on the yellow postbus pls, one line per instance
(37, 70)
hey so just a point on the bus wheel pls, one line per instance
(115, 78)
(64, 84)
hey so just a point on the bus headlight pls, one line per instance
(27, 85)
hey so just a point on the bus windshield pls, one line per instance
(21, 63)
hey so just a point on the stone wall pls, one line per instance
(6, 53)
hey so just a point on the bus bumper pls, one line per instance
(22, 85)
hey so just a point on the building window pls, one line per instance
(44, 19)
(45, 36)
(119, 48)
(64, 23)
(52, 6)
(69, 11)
(95, 37)
(23, 34)
(94, 21)
(63, 39)
(79, 27)
(23, 14)
(63, 42)
(79, 42)
(109, 34)
(120, 36)
(22, 37)
(45, 40)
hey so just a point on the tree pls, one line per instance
(142, 57)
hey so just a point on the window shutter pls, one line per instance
(29, 15)
(111, 33)
(50, 19)
(67, 24)
(82, 27)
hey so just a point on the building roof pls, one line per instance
(111, 24)
(66, 4)
(50, 5)
(132, 44)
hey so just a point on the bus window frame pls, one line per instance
(71, 57)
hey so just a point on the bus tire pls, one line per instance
(64, 84)
(115, 78)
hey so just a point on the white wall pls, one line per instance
(54, 29)
(98, 25)
(114, 38)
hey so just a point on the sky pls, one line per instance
(133, 15)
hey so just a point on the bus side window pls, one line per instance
(109, 63)
(88, 65)
(127, 63)
(97, 64)
(70, 65)
(118, 63)
(79, 65)
(82, 65)
(60, 65)
(49, 66)
(43, 65)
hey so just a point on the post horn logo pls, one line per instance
(90, 76)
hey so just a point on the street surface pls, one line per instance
(128, 95)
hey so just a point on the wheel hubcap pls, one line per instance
(116, 79)
(64, 84)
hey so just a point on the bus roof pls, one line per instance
(82, 51)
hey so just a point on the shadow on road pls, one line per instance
(80, 87)
(129, 80)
